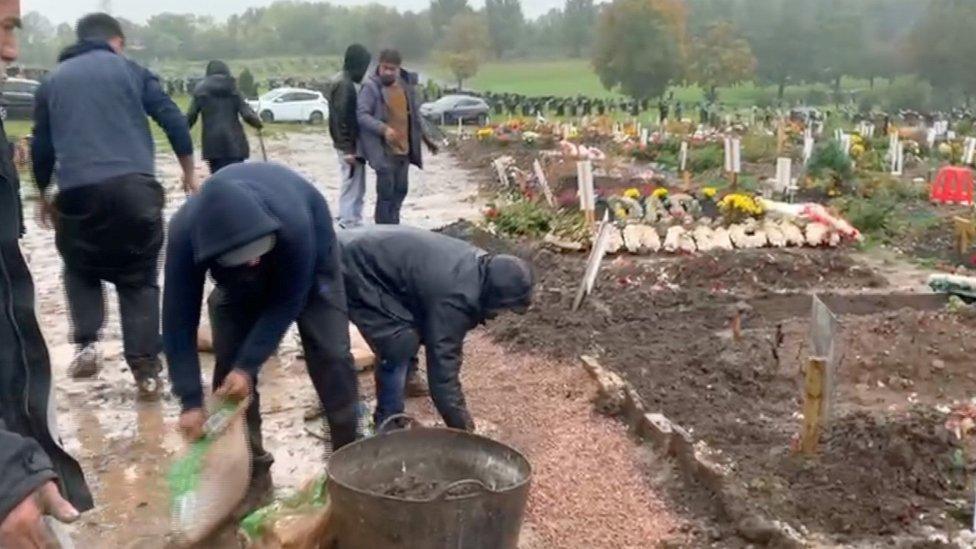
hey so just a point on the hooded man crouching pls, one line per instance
(409, 287)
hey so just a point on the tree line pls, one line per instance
(638, 47)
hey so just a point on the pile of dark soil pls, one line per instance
(886, 467)
(877, 474)
(413, 487)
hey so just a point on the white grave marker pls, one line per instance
(683, 156)
(733, 155)
(784, 174)
(969, 150)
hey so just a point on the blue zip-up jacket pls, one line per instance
(90, 119)
(240, 204)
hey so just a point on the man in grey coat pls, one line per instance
(390, 132)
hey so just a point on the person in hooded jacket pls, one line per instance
(407, 287)
(222, 106)
(265, 235)
(344, 130)
(37, 476)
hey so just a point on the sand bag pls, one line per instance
(301, 521)
(210, 479)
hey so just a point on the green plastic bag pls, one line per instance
(310, 498)
(211, 476)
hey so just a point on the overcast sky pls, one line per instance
(61, 11)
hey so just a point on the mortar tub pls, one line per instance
(478, 503)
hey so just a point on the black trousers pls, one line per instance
(392, 184)
(113, 232)
(324, 329)
(218, 163)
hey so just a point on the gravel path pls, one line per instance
(590, 489)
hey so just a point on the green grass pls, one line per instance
(570, 77)
(312, 66)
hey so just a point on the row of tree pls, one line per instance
(637, 46)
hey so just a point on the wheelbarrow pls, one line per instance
(474, 490)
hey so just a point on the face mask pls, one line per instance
(388, 79)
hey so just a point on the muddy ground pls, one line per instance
(593, 486)
(888, 466)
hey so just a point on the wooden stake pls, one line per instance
(593, 263)
(540, 176)
(584, 179)
(965, 233)
(813, 404)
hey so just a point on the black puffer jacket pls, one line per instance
(30, 454)
(222, 106)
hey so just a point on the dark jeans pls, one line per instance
(138, 307)
(324, 328)
(392, 184)
(218, 163)
(112, 232)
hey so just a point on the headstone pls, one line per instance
(845, 143)
(784, 175)
(807, 146)
(969, 150)
(587, 196)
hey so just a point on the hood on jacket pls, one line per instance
(509, 282)
(220, 85)
(83, 47)
(356, 62)
(217, 67)
(228, 216)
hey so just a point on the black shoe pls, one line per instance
(146, 371)
(260, 493)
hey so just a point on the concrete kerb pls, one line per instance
(695, 460)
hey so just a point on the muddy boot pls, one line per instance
(87, 362)
(260, 492)
(417, 385)
(146, 372)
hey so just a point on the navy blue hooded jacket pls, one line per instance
(240, 204)
(90, 119)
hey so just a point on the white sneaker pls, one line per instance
(86, 363)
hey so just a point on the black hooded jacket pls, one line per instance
(222, 105)
(342, 99)
(441, 287)
(238, 205)
(30, 451)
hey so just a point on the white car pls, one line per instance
(292, 105)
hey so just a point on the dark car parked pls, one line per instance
(451, 108)
(18, 98)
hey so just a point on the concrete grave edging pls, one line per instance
(617, 397)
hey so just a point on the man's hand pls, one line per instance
(391, 135)
(432, 147)
(45, 213)
(236, 386)
(191, 424)
(190, 186)
(23, 527)
(350, 159)
(189, 175)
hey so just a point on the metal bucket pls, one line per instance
(479, 488)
